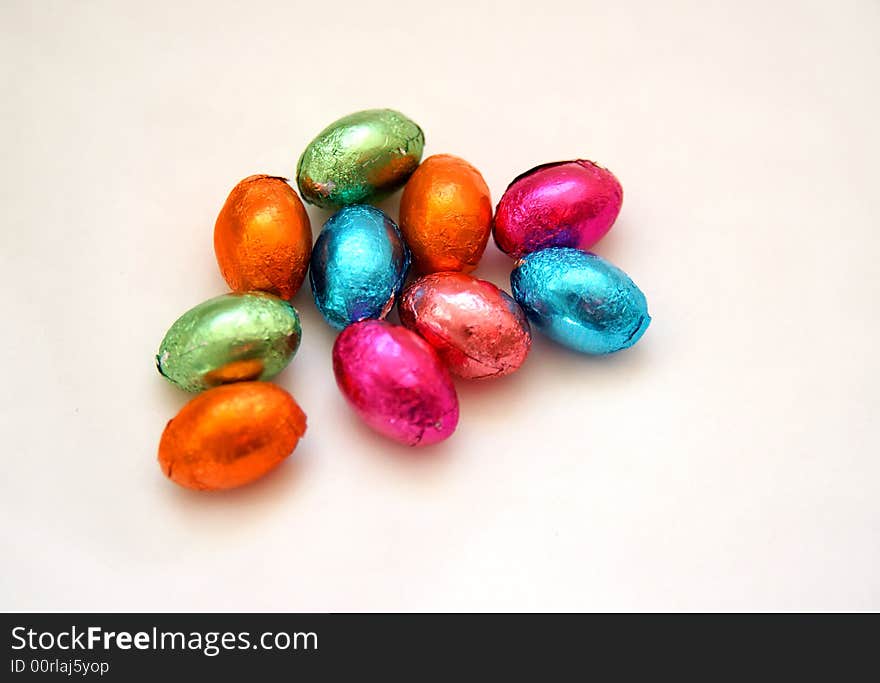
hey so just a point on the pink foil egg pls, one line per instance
(478, 330)
(563, 204)
(396, 382)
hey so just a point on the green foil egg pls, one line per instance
(360, 157)
(230, 338)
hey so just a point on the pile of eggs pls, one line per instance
(398, 378)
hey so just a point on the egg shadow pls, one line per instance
(171, 397)
(312, 321)
(613, 245)
(393, 450)
(390, 205)
(218, 513)
(489, 388)
(495, 266)
(423, 465)
(608, 370)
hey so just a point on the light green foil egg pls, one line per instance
(230, 338)
(361, 157)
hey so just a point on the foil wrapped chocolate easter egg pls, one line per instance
(446, 215)
(231, 435)
(358, 266)
(580, 300)
(230, 338)
(564, 204)
(361, 157)
(263, 238)
(477, 329)
(396, 382)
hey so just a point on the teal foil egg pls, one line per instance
(361, 157)
(359, 264)
(230, 338)
(580, 300)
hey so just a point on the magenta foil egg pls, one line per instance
(563, 204)
(478, 330)
(396, 382)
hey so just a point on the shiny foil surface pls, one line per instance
(563, 204)
(361, 157)
(358, 265)
(230, 436)
(396, 382)
(580, 300)
(230, 338)
(446, 215)
(263, 238)
(478, 330)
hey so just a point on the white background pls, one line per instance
(729, 461)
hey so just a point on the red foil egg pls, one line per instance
(478, 330)
(563, 204)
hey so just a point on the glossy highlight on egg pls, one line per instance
(395, 382)
(478, 330)
(230, 436)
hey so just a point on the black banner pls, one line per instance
(127, 647)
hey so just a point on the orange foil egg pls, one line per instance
(230, 435)
(263, 238)
(446, 215)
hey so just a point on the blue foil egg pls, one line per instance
(358, 265)
(580, 300)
